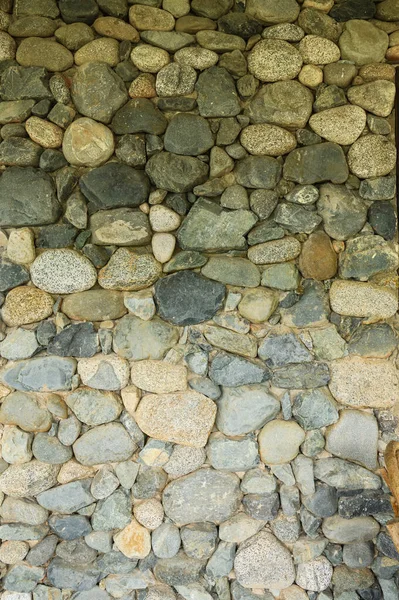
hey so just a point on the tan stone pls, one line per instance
(342, 125)
(73, 471)
(275, 251)
(21, 246)
(258, 305)
(116, 28)
(143, 86)
(231, 341)
(376, 71)
(134, 541)
(94, 305)
(279, 441)
(42, 52)
(364, 382)
(360, 299)
(159, 377)
(44, 133)
(149, 58)
(318, 50)
(149, 513)
(25, 305)
(87, 143)
(130, 398)
(311, 76)
(184, 418)
(270, 140)
(318, 260)
(146, 18)
(7, 46)
(163, 246)
(193, 24)
(104, 50)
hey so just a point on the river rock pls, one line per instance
(127, 270)
(87, 143)
(357, 299)
(94, 407)
(344, 531)
(343, 212)
(94, 305)
(176, 173)
(63, 272)
(244, 409)
(41, 52)
(279, 441)
(353, 46)
(137, 339)
(28, 479)
(188, 134)
(274, 60)
(267, 139)
(44, 373)
(217, 96)
(342, 125)
(104, 372)
(316, 163)
(103, 444)
(318, 260)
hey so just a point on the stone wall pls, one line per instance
(198, 296)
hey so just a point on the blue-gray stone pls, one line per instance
(48, 449)
(179, 570)
(302, 376)
(199, 540)
(323, 502)
(279, 350)
(113, 512)
(232, 455)
(231, 370)
(22, 578)
(12, 275)
(261, 506)
(314, 409)
(42, 374)
(63, 575)
(221, 562)
(67, 498)
(79, 340)
(44, 550)
(22, 532)
(69, 527)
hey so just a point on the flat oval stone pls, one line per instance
(44, 373)
(232, 271)
(275, 251)
(186, 298)
(146, 17)
(137, 339)
(28, 479)
(267, 139)
(274, 60)
(348, 531)
(94, 407)
(139, 116)
(204, 496)
(94, 305)
(316, 163)
(268, 12)
(363, 43)
(342, 125)
(159, 376)
(185, 418)
(103, 444)
(87, 143)
(104, 50)
(41, 52)
(25, 305)
(63, 271)
(121, 227)
(372, 156)
(358, 299)
(279, 441)
(188, 134)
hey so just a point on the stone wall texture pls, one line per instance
(198, 291)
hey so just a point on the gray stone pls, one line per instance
(358, 555)
(69, 527)
(21, 532)
(166, 540)
(137, 339)
(12, 275)
(49, 449)
(221, 561)
(113, 512)
(376, 341)
(286, 529)
(79, 578)
(217, 96)
(323, 502)
(67, 498)
(30, 188)
(258, 172)
(179, 570)
(206, 495)
(205, 386)
(346, 531)
(365, 256)
(305, 376)
(185, 259)
(188, 134)
(150, 481)
(379, 188)
(364, 504)
(105, 443)
(23, 511)
(232, 455)
(210, 228)
(139, 116)
(263, 507)
(186, 298)
(25, 83)
(244, 409)
(238, 592)
(232, 271)
(115, 185)
(314, 409)
(312, 308)
(343, 212)
(342, 474)
(231, 371)
(97, 91)
(43, 551)
(279, 350)
(354, 437)
(79, 340)
(76, 552)
(282, 276)
(382, 218)
(68, 430)
(23, 578)
(199, 540)
(21, 152)
(19, 344)
(307, 165)
(176, 173)
(45, 373)
(127, 472)
(296, 218)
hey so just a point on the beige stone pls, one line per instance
(231, 341)
(116, 28)
(318, 260)
(44, 133)
(264, 139)
(73, 471)
(374, 72)
(198, 58)
(364, 382)
(178, 8)
(163, 219)
(87, 143)
(377, 97)
(163, 246)
(311, 76)
(94, 305)
(129, 271)
(134, 541)
(42, 52)
(279, 441)
(7, 46)
(21, 246)
(318, 50)
(275, 251)
(104, 372)
(342, 125)
(104, 50)
(184, 418)
(12, 552)
(149, 513)
(258, 305)
(372, 156)
(24, 410)
(149, 58)
(157, 376)
(274, 60)
(361, 299)
(130, 398)
(25, 305)
(146, 18)
(362, 43)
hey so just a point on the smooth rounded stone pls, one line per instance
(98, 185)
(163, 246)
(274, 60)
(358, 299)
(354, 437)
(41, 52)
(25, 411)
(87, 143)
(186, 298)
(376, 97)
(113, 27)
(94, 305)
(149, 58)
(296, 219)
(267, 12)
(281, 276)
(13, 552)
(380, 188)
(67, 498)
(316, 163)
(23, 578)
(318, 259)
(97, 91)
(159, 377)
(141, 304)
(342, 474)
(137, 339)
(204, 496)
(340, 73)
(127, 270)
(363, 43)
(94, 407)
(217, 96)
(120, 226)
(232, 455)
(264, 562)
(45, 373)
(314, 575)
(139, 116)
(372, 156)
(232, 271)
(279, 441)
(184, 460)
(74, 36)
(231, 341)
(28, 479)
(175, 80)
(19, 344)
(284, 31)
(343, 212)
(267, 139)
(374, 341)
(318, 50)
(311, 76)
(49, 449)
(102, 372)
(104, 444)
(182, 417)
(258, 305)
(69, 430)
(176, 173)
(85, 11)
(358, 555)
(382, 218)
(144, 18)
(263, 202)
(149, 513)
(342, 125)
(278, 350)
(284, 103)
(366, 256)
(18, 151)
(347, 531)
(239, 528)
(63, 271)
(276, 251)
(16, 445)
(314, 409)
(197, 58)
(171, 41)
(218, 41)
(165, 540)
(188, 134)
(44, 133)
(134, 541)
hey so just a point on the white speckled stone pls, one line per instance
(63, 271)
